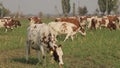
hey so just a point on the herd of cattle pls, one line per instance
(43, 37)
(111, 22)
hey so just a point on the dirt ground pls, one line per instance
(15, 59)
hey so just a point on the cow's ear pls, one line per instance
(59, 45)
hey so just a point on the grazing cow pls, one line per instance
(92, 22)
(109, 22)
(75, 21)
(113, 22)
(34, 20)
(16, 23)
(63, 28)
(9, 23)
(40, 38)
(95, 22)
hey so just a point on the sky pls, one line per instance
(45, 6)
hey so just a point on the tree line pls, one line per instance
(105, 7)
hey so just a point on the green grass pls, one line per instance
(99, 49)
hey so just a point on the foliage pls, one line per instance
(116, 6)
(102, 6)
(108, 6)
(96, 11)
(4, 11)
(65, 6)
(82, 10)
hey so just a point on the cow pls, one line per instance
(63, 28)
(91, 22)
(9, 23)
(95, 22)
(75, 21)
(16, 23)
(109, 22)
(40, 38)
(34, 20)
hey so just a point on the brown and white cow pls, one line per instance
(40, 38)
(9, 23)
(63, 28)
(108, 22)
(75, 21)
(95, 22)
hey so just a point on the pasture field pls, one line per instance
(99, 49)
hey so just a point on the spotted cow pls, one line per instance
(40, 38)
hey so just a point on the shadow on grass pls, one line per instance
(32, 61)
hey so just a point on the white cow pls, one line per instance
(63, 28)
(41, 39)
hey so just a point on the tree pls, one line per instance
(40, 14)
(115, 10)
(66, 6)
(113, 5)
(73, 9)
(102, 6)
(96, 12)
(3, 11)
(82, 10)
(108, 6)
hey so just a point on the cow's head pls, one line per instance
(82, 31)
(17, 23)
(57, 54)
(35, 20)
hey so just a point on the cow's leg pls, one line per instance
(42, 50)
(66, 37)
(43, 54)
(6, 30)
(72, 35)
(11, 28)
(38, 54)
(89, 25)
(27, 50)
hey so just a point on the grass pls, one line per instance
(99, 49)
